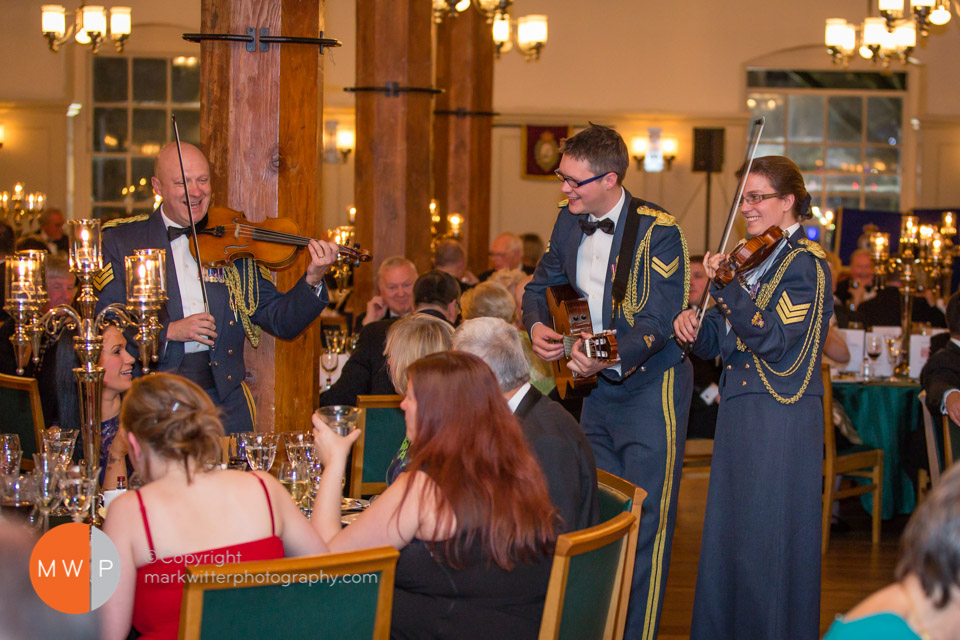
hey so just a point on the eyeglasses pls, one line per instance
(576, 184)
(757, 198)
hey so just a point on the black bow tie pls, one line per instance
(175, 232)
(588, 226)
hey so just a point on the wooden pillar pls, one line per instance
(261, 129)
(463, 141)
(393, 135)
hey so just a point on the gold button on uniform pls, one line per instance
(232, 323)
(744, 383)
(229, 352)
(729, 366)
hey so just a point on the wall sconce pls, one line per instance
(2, 135)
(338, 142)
(454, 223)
(653, 153)
(532, 35)
(89, 26)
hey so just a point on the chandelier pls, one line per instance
(89, 26)
(450, 8)
(531, 30)
(890, 36)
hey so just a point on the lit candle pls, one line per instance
(455, 220)
(352, 214)
(948, 225)
(85, 245)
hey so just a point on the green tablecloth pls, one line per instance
(884, 414)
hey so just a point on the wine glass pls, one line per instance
(78, 488)
(874, 349)
(329, 359)
(18, 492)
(10, 454)
(46, 471)
(342, 420)
(259, 449)
(893, 356)
(300, 453)
(295, 478)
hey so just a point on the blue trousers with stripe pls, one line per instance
(637, 430)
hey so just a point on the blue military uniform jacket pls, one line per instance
(656, 291)
(283, 315)
(776, 340)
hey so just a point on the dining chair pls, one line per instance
(857, 461)
(382, 429)
(930, 438)
(617, 495)
(582, 595)
(337, 595)
(22, 414)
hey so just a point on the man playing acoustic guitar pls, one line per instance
(628, 259)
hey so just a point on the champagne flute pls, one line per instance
(329, 359)
(893, 356)
(874, 349)
(46, 471)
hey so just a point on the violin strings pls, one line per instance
(269, 235)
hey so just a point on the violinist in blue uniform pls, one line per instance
(207, 347)
(759, 573)
(629, 259)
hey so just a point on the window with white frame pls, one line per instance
(843, 129)
(133, 99)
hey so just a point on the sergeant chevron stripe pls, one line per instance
(791, 313)
(666, 270)
(104, 278)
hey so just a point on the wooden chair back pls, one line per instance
(292, 597)
(382, 430)
(22, 414)
(583, 593)
(930, 437)
(616, 496)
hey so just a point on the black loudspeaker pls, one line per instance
(708, 150)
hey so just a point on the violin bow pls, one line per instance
(193, 227)
(755, 132)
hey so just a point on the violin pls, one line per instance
(748, 254)
(225, 235)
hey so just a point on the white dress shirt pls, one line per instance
(593, 258)
(518, 397)
(188, 278)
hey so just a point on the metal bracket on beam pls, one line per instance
(263, 39)
(461, 112)
(393, 89)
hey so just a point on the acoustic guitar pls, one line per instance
(571, 316)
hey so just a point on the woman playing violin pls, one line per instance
(759, 574)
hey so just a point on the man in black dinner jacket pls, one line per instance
(435, 293)
(554, 436)
(940, 376)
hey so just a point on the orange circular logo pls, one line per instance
(75, 568)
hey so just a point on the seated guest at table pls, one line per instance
(506, 252)
(922, 604)
(554, 436)
(450, 257)
(940, 376)
(835, 347)
(189, 506)
(471, 516)
(509, 279)
(859, 287)
(541, 372)
(843, 314)
(436, 295)
(532, 251)
(886, 309)
(395, 278)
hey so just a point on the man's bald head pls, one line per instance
(167, 182)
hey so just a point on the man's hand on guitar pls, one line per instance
(547, 343)
(583, 365)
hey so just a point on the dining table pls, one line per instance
(886, 413)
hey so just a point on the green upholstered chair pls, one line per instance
(382, 429)
(859, 461)
(583, 594)
(249, 599)
(616, 496)
(22, 414)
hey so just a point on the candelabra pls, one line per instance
(923, 263)
(21, 209)
(342, 269)
(26, 295)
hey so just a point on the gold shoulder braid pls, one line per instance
(109, 224)
(811, 341)
(631, 306)
(244, 305)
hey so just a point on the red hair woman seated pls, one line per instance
(471, 514)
